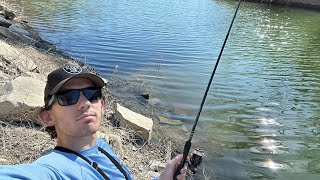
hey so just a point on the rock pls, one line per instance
(156, 166)
(179, 117)
(154, 101)
(141, 124)
(27, 40)
(105, 80)
(164, 120)
(9, 15)
(145, 95)
(35, 76)
(22, 38)
(16, 58)
(44, 45)
(5, 23)
(184, 128)
(3, 160)
(21, 95)
(8, 34)
(17, 29)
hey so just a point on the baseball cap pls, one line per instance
(57, 78)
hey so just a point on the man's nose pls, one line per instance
(83, 102)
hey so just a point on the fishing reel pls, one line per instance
(195, 160)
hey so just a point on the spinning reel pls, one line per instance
(195, 160)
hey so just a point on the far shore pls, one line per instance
(305, 4)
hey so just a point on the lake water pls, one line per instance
(261, 119)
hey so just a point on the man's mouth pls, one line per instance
(86, 116)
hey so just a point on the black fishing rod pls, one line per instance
(188, 143)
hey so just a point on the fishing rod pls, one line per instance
(188, 143)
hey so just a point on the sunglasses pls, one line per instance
(71, 96)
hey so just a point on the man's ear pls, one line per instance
(45, 117)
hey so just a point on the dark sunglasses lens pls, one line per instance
(92, 94)
(68, 97)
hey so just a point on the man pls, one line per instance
(73, 111)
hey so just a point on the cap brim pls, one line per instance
(96, 80)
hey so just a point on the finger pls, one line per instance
(183, 170)
(182, 174)
(181, 177)
(176, 161)
(178, 158)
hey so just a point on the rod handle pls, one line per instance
(186, 150)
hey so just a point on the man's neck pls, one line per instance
(77, 143)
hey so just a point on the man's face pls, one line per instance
(81, 119)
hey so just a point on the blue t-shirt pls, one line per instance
(58, 165)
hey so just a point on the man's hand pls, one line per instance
(170, 169)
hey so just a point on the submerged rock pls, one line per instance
(145, 95)
(9, 15)
(4, 23)
(164, 120)
(19, 30)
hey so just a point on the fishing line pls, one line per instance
(188, 143)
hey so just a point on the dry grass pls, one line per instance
(137, 156)
(22, 144)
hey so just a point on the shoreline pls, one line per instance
(303, 4)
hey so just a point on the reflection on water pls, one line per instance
(271, 165)
(269, 144)
(261, 116)
(265, 121)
